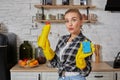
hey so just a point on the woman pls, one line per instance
(67, 48)
(67, 56)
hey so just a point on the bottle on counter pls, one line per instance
(25, 51)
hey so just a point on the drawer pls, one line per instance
(100, 76)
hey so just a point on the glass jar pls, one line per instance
(65, 2)
(25, 51)
(39, 55)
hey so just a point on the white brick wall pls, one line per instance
(16, 15)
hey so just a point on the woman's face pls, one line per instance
(73, 23)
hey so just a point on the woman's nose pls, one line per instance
(70, 23)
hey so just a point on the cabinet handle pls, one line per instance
(38, 76)
(116, 76)
(99, 76)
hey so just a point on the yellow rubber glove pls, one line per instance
(80, 57)
(48, 52)
(43, 42)
(44, 36)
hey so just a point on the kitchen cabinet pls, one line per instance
(100, 76)
(100, 71)
(49, 76)
(47, 7)
(25, 76)
(34, 75)
(54, 76)
(116, 75)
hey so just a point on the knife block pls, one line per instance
(97, 53)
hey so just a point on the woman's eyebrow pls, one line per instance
(71, 18)
(74, 17)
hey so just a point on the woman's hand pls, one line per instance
(44, 43)
(44, 36)
(48, 52)
(80, 57)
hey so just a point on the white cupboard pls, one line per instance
(100, 76)
(54, 76)
(100, 71)
(49, 76)
(116, 75)
(25, 76)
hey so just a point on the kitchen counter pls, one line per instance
(44, 68)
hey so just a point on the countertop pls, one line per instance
(102, 66)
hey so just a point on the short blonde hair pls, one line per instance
(75, 11)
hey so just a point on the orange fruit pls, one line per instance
(35, 62)
(31, 64)
(22, 63)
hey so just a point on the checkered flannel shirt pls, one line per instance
(68, 62)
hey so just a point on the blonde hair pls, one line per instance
(75, 11)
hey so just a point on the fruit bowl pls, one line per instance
(28, 63)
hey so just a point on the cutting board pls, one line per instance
(97, 53)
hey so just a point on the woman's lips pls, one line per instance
(71, 28)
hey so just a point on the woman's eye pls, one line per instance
(66, 21)
(74, 20)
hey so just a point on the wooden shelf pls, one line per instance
(62, 21)
(64, 6)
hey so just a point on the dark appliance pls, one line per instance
(3, 54)
(8, 54)
(112, 5)
(116, 63)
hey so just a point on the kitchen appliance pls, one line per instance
(3, 54)
(8, 54)
(117, 61)
(112, 5)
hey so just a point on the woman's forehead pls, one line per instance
(71, 15)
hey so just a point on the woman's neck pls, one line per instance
(73, 36)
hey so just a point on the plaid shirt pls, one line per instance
(68, 62)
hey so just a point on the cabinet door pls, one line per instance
(116, 75)
(25, 76)
(49, 76)
(100, 76)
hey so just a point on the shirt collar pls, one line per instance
(80, 37)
